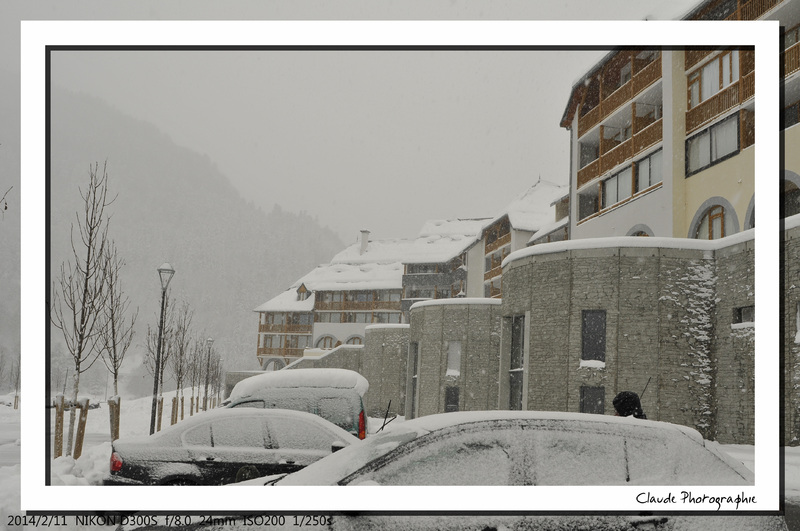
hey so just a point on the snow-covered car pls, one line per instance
(527, 448)
(336, 395)
(223, 446)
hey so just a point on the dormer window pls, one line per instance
(302, 292)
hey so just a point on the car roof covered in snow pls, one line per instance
(301, 378)
(336, 467)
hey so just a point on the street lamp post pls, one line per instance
(165, 272)
(209, 343)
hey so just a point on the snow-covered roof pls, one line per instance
(533, 209)
(288, 302)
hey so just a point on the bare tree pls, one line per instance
(167, 349)
(179, 361)
(4, 205)
(117, 331)
(79, 290)
(196, 367)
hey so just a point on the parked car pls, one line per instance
(222, 446)
(336, 395)
(527, 448)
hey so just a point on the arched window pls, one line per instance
(326, 342)
(355, 340)
(712, 224)
(640, 233)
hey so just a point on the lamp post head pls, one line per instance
(165, 272)
(210, 342)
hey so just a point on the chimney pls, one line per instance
(364, 240)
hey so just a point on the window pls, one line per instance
(618, 187)
(712, 224)
(717, 74)
(234, 432)
(517, 364)
(648, 171)
(450, 399)
(363, 317)
(325, 342)
(355, 340)
(588, 202)
(593, 335)
(712, 145)
(593, 400)
(304, 319)
(413, 353)
(363, 296)
(745, 314)
(453, 358)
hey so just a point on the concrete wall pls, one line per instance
(473, 323)
(791, 331)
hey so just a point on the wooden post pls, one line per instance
(191, 406)
(174, 413)
(182, 398)
(58, 449)
(160, 411)
(83, 405)
(16, 401)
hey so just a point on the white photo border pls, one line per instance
(36, 36)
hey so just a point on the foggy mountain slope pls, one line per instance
(173, 205)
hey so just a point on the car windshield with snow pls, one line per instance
(336, 395)
(527, 448)
(224, 446)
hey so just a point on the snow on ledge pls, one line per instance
(456, 302)
(386, 325)
(792, 222)
(739, 326)
(592, 364)
(631, 241)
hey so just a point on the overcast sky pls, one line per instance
(374, 140)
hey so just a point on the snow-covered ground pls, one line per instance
(93, 464)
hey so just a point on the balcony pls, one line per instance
(641, 79)
(791, 60)
(719, 103)
(753, 9)
(611, 157)
(355, 306)
(492, 273)
(268, 352)
(284, 328)
(505, 239)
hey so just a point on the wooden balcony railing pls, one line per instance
(284, 329)
(642, 140)
(616, 156)
(494, 272)
(648, 136)
(280, 352)
(646, 76)
(791, 60)
(748, 86)
(712, 107)
(752, 9)
(640, 81)
(354, 306)
(588, 172)
(589, 120)
(499, 242)
(694, 56)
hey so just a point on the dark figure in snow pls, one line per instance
(627, 403)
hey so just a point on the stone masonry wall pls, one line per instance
(475, 326)
(791, 334)
(668, 316)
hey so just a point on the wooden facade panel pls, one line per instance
(588, 120)
(694, 56)
(588, 172)
(354, 306)
(648, 136)
(647, 76)
(505, 239)
(616, 156)
(280, 352)
(616, 99)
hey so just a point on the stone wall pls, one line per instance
(474, 325)
(381, 360)
(668, 317)
(791, 331)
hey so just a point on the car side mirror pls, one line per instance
(336, 446)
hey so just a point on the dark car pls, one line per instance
(224, 446)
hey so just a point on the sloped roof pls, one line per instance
(533, 209)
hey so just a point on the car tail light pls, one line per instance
(362, 425)
(116, 462)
